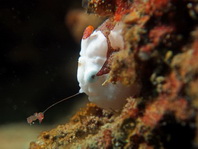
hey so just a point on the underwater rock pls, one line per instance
(160, 55)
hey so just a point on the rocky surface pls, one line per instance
(160, 55)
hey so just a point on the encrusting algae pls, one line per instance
(160, 57)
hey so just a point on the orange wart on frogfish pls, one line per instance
(88, 31)
(96, 48)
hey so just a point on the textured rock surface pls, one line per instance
(161, 52)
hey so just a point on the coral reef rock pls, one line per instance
(161, 56)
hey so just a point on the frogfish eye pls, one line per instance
(91, 77)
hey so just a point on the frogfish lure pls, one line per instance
(40, 115)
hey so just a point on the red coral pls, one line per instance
(122, 7)
(180, 107)
(195, 53)
(147, 48)
(107, 138)
(195, 47)
(156, 35)
(130, 109)
(154, 112)
(158, 32)
(157, 6)
(173, 85)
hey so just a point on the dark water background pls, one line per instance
(38, 58)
